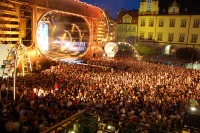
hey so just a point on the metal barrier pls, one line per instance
(88, 122)
(65, 124)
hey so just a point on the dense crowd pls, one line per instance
(168, 60)
(127, 88)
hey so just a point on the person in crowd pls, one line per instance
(132, 91)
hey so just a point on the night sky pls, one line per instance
(114, 6)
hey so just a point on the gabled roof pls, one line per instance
(126, 15)
(133, 13)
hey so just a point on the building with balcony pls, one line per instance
(112, 23)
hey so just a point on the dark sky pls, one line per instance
(114, 6)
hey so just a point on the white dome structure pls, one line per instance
(111, 48)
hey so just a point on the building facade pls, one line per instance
(112, 27)
(127, 28)
(169, 26)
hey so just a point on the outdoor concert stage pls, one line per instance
(56, 29)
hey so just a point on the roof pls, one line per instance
(73, 6)
(133, 13)
(186, 6)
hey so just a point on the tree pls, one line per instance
(187, 53)
(145, 50)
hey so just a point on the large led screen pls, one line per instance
(62, 35)
(43, 36)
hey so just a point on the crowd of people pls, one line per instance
(168, 60)
(129, 89)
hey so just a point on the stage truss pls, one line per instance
(9, 23)
(17, 53)
(15, 31)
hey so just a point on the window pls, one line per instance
(161, 23)
(183, 23)
(196, 23)
(160, 36)
(181, 37)
(127, 20)
(134, 29)
(119, 28)
(150, 35)
(128, 34)
(124, 27)
(163, 10)
(142, 22)
(194, 38)
(129, 28)
(174, 10)
(149, 5)
(170, 37)
(151, 23)
(142, 36)
(119, 35)
(172, 23)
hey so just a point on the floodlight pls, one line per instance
(193, 109)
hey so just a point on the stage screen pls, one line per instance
(43, 36)
(61, 35)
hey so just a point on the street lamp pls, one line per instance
(14, 73)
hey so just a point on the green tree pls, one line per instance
(145, 50)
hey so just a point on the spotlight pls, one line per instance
(71, 131)
(193, 109)
(109, 127)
